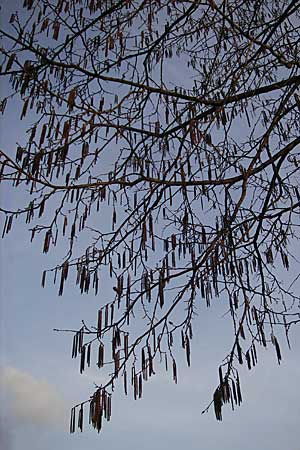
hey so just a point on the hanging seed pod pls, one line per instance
(174, 371)
(225, 391)
(82, 359)
(254, 352)
(233, 388)
(97, 412)
(242, 333)
(75, 345)
(111, 313)
(126, 345)
(99, 327)
(248, 359)
(204, 241)
(45, 24)
(188, 351)
(277, 348)
(61, 286)
(150, 363)
(56, 27)
(43, 134)
(72, 420)
(80, 340)
(106, 316)
(239, 351)
(262, 334)
(238, 390)
(220, 376)
(47, 241)
(88, 357)
(161, 284)
(143, 359)
(100, 356)
(24, 110)
(217, 399)
(80, 418)
(140, 386)
(44, 278)
(253, 357)
(135, 387)
(117, 363)
(71, 99)
(96, 282)
(125, 382)
(108, 413)
(10, 62)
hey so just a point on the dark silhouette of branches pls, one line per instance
(166, 135)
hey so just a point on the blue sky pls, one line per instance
(39, 382)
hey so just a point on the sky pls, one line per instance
(39, 382)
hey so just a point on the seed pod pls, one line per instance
(44, 278)
(75, 345)
(24, 110)
(125, 382)
(188, 351)
(161, 289)
(80, 418)
(100, 356)
(140, 386)
(43, 134)
(217, 399)
(71, 99)
(239, 351)
(82, 359)
(220, 376)
(238, 389)
(175, 371)
(278, 352)
(72, 420)
(88, 358)
(234, 391)
(248, 359)
(56, 27)
(10, 62)
(99, 327)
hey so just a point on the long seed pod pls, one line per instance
(239, 351)
(188, 351)
(99, 327)
(217, 399)
(75, 345)
(44, 278)
(80, 418)
(248, 359)
(140, 386)
(72, 420)
(174, 371)
(125, 382)
(238, 390)
(277, 348)
(82, 359)
(88, 357)
(100, 356)
(233, 388)
(126, 345)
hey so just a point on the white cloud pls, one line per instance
(32, 400)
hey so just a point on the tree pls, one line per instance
(165, 134)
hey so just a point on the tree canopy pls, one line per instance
(162, 150)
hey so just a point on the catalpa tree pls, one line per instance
(162, 151)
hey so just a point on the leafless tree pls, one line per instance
(165, 134)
